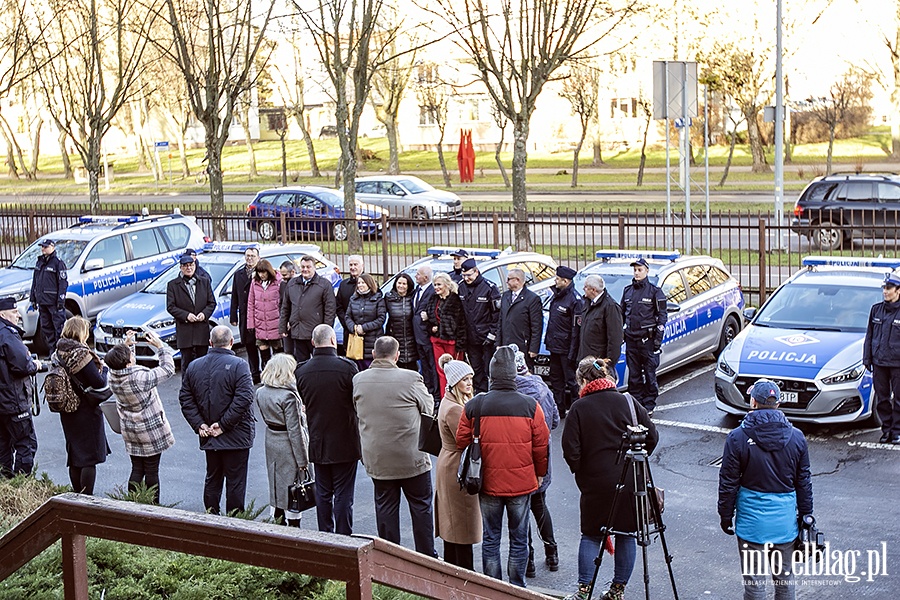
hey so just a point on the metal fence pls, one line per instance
(760, 253)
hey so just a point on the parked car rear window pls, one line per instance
(822, 191)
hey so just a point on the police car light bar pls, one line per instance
(90, 219)
(840, 261)
(229, 246)
(442, 250)
(635, 254)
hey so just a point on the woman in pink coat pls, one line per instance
(263, 311)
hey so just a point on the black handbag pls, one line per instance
(302, 494)
(429, 434)
(469, 472)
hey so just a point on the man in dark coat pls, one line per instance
(644, 314)
(217, 401)
(190, 301)
(599, 331)
(240, 296)
(325, 385)
(881, 355)
(561, 339)
(287, 270)
(49, 284)
(18, 443)
(346, 289)
(422, 294)
(481, 302)
(521, 317)
(308, 301)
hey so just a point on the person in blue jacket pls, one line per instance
(764, 490)
(644, 313)
(881, 356)
(18, 442)
(48, 293)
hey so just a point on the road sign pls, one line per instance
(161, 145)
(679, 123)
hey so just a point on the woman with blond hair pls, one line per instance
(86, 445)
(445, 316)
(457, 514)
(287, 437)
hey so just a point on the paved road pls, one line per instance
(856, 483)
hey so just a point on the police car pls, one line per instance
(146, 310)
(704, 302)
(808, 338)
(107, 258)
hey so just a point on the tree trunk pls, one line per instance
(182, 154)
(354, 240)
(640, 178)
(390, 126)
(786, 130)
(500, 162)
(216, 192)
(36, 147)
(895, 93)
(310, 149)
(92, 165)
(575, 159)
(251, 156)
(831, 128)
(64, 154)
(11, 171)
(519, 195)
(440, 151)
(756, 143)
(282, 135)
(598, 155)
(730, 155)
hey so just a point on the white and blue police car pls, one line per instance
(107, 258)
(704, 302)
(146, 310)
(808, 339)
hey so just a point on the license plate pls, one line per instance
(542, 371)
(113, 341)
(789, 397)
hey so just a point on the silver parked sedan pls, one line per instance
(408, 197)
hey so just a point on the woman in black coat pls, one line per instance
(590, 443)
(446, 319)
(400, 320)
(83, 429)
(365, 316)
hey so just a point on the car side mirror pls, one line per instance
(93, 264)
(399, 192)
(749, 313)
(672, 307)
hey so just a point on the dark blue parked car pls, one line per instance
(310, 211)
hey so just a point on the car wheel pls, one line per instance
(339, 232)
(730, 330)
(418, 213)
(828, 236)
(267, 230)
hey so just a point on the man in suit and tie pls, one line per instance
(521, 318)
(190, 301)
(423, 292)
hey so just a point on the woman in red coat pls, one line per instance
(263, 309)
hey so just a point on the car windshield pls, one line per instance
(217, 272)
(819, 307)
(415, 186)
(67, 250)
(615, 278)
(330, 197)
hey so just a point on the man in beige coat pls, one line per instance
(388, 402)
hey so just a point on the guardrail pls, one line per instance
(357, 561)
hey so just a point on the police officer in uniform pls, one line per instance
(561, 339)
(48, 293)
(459, 257)
(881, 355)
(18, 443)
(644, 309)
(481, 304)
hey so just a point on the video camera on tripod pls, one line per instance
(634, 439)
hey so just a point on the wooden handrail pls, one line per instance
(357, 561)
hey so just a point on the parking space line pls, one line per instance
(875, 445)
(685, 378)
(663, 407)
(696, 426)
(856, 432)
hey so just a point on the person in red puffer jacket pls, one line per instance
(515, 454)
(263, 309)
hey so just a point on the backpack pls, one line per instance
(59, 394)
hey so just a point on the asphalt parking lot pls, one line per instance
(856, 482)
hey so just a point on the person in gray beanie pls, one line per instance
(457, 516)
(514, 448)
(532, 385)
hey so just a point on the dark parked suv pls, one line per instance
(835, 209)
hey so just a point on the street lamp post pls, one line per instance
(779, 131)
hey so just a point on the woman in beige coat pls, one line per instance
(457, 515)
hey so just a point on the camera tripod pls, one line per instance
(646, 506)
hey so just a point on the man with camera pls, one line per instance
(18, 443)
(765, 491)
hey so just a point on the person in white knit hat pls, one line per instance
(457, 515)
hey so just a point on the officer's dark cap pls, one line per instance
(565, 272)
(642, 262)
(468, 264)
(187, 259)
(47, 242)
(7, 303)
(461, 253)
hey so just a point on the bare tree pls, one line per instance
(517, 46)
(645, 109)
(850, 93)
(501, 121)
(389, 83)
(245, 103)
(343, 33)
(91, 52)
(432, 94)
(582, 89)
(215, 45)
